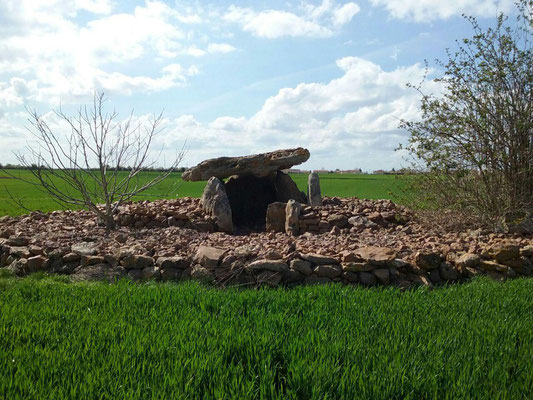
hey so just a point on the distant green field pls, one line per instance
(185, 341)
(342, 185)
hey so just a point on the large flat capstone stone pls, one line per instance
(259, 165)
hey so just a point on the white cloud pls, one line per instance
(348, 122)
(323, 20)
(428, 10)
(48, 53)
(220, 48)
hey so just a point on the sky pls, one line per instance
(233, 78)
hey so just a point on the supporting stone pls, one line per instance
(287, 189)
(292, 214)
(275, 217)
(215, 202)
(313, 190)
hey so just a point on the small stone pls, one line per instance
(428, 261)
(329, 271)
(302, 266)
(37, 263)
(269, 278)
(92, 260)
(121, 237)
(175, 262)
(84, 248)
(504, 251)
(273, 255)
(270, 265)
(527, 251)
(366, 278)
(338, 220)
(71, 257)
(358, 267)
(376, 255)
(468, 260)
(448, 272)
(170, 274)
(487, 265)
(20, 251)
(150, 273)
(292, 276)
(319, 258)
(209, 256)
(350, 276)
(201, 273)
(383, 275)
(137, 262)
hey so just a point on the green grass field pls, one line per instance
(167, 341)
(364, 186)
(63, 340)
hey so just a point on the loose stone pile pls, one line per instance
(352, 241)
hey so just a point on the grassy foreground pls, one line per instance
(343, 185)
(167, 341)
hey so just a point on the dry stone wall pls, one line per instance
(350, 241)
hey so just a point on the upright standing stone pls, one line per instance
(275, 217)
(292, 214)
(313, 190)
(215, 202)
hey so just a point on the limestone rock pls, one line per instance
(209, 256)
(176, 262)
(366, 278)
(376, 255)
(149, 273)
(97, 272)
(504, 251)
(287, 189)
(269, 278)
(329, 271)
(137, 262)
(269, 265)
(313, 190)
(383, 275)
(37, 263)
(202, 274)
(275, 217)
(170, 274)
(292, 214)
(527, 251)
(215, 202)
(302, 266)
(319, 259)
(84, 248)
(259, 165)
(428, 260)
(468, 260)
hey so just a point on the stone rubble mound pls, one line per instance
(350, 241)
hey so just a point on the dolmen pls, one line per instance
(253, 185)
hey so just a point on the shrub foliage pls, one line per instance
(474, 141)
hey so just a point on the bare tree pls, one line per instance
(87, 167)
